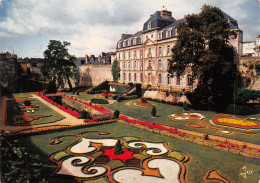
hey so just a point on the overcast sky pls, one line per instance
(93, 26)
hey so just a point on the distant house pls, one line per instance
(252, 48)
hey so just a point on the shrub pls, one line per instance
(27, 103)
(102, 86)
(153, 112)
(85, 114)
(242, 109)
(99, 101)
(116, 114)
(245, 95)
(51, 87)
(138, 87)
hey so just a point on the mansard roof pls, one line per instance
(157, 21)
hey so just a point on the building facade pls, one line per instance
(251, 48)
(144, 56)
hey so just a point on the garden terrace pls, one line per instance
(198, 162)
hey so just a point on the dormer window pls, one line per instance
(149, 25)
(129, 42)
(124, 44)
(160, 35)
(168, 33)
(134, 41)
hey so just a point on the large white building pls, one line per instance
(143, 56)
(249, 47)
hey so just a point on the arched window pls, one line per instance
(141, 65)
(149, 78)
(134, 77)
(178, 80)
(135, 54)
(141, 77)
(141, 53)
(135, 66)
(129, 65)
(159, 79)
(189, 80)
(129, 77)
(124, 65)
(149, 63)
(124, 77)
(129, 54)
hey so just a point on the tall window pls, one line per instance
(159, 64)
(135, 54)
(159, 79)
(123, 55)
(134, 77)
(168, 50)
(149, 78)
(189, 80)
(141, 53)
(149, 64)
(141, 77)
(124, 77)
(129, 77)
(178, 80)
(149, 52)
(118, 56)
(124, 65)
(141, 65)
(129, 65)
(160, 51)
(169, 80)
(129, 54)
(135, 66)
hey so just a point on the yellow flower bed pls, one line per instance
(237, 121)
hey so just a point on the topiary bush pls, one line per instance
(153, 112)
(85, 114)
(116, 114)
(99, 101)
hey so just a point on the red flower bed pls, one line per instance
(221, 145)
(73, 113)
(109, 95)
(146, 103)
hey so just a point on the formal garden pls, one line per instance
(126, 138)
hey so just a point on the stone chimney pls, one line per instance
(166, 14)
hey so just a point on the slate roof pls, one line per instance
(157, 21)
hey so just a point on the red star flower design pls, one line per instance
(126, 155)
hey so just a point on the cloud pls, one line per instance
(95, 26)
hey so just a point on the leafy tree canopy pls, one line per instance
(202, 50)
(115, 70)
(58, 64)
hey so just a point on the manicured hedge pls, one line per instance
(99, 101)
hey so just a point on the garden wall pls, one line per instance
(157, 95)
(92, 75)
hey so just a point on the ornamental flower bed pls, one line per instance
(152, 125)
(180, 116)
(239, 123)
(145, 104)
(104, 94)
(73, 113)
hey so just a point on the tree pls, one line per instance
(58, 64)
(118, 148)
(115, 70)
(203, 51)
(153, 112)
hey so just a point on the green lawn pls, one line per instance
(163, 110)
(202, 159)
(45, 110)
